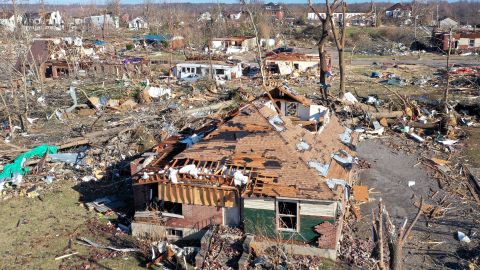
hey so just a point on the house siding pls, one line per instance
(262, 222)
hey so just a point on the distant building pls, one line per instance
(205, 16)
(399, 10)
(7, 20)
(137, 23)
(464, 41)
(352, 18)
(448, 23)
(233, 44)
(275, 10)
(220, 71)
(288, 63)
(33, 19)
(99, 21)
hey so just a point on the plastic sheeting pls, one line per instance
(320, 167)
(18, 166)
(343, 158)
(277, 123)
(189, 141)
(303, 146)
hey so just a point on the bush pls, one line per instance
(129, 47)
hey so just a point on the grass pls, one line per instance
(472, 147)
(45, 228)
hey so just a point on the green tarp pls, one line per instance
(17, 166)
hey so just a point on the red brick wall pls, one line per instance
(196, 216)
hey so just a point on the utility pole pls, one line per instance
(438, 23)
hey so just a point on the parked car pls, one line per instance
(283, 49)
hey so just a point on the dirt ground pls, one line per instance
(433, 243)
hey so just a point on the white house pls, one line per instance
(288, 63)
(53, 18)
(205, 16)
(448, 23)
(233, 45)
(220, 71)
(137, 23)
(99, 21)
(7, 20)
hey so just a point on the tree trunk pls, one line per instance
(396, 262)
(323, 72)
(341, 64)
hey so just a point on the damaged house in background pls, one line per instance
(260, 167)
(231, 45)
(287, 63)
(194, 71)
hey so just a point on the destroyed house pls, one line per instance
(233, 44)
(257, 169)
(460, 41)
(287, 63)
(220, 71)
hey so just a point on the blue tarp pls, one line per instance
(100, 43)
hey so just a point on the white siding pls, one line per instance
(259, 204)
(327, 209)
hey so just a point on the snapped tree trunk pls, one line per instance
(396, 257)
(323, 71)
(341, 64)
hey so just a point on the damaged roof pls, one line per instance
(285, 56)
(278, 157)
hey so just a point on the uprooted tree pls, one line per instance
(396, 238)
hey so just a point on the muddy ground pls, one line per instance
(433, 243)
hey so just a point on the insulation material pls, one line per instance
(190, 169)
(239, 179)
(172, 175)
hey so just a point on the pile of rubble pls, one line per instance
(221, 248)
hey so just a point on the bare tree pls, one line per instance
(322, 54)
(339, 34)
(447, 86)
(396, 238)
(257, 41)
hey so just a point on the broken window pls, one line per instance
(199, 71)
(219, 71)
(172, 207)
(471, 43)
(173, 232)
(287, 216)
(296, 66)
(292, 108)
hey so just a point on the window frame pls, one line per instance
(278, 216)
(470, 43)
